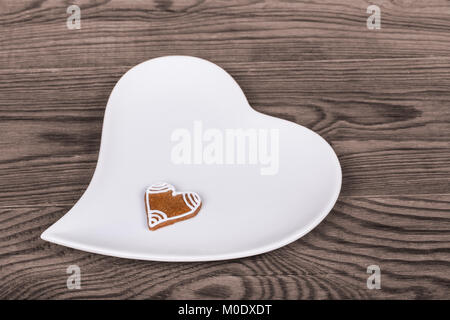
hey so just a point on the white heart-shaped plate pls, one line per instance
(268, 192)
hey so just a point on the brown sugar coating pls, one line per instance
(168, 207)
(171, 206)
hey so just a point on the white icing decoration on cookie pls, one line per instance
(155, 217)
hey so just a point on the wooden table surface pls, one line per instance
(381, 98)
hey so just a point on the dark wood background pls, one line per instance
(380, 97)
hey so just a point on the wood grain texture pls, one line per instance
(381, 98)
(407, 236)
(357, 106)
(114, 33)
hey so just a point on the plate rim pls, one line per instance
(54, 238)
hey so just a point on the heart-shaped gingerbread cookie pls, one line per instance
(165, 206)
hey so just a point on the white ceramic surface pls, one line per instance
(244, 213)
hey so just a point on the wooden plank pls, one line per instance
(389, 122)
(34, 34)
(406, 236)
(381, 98)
